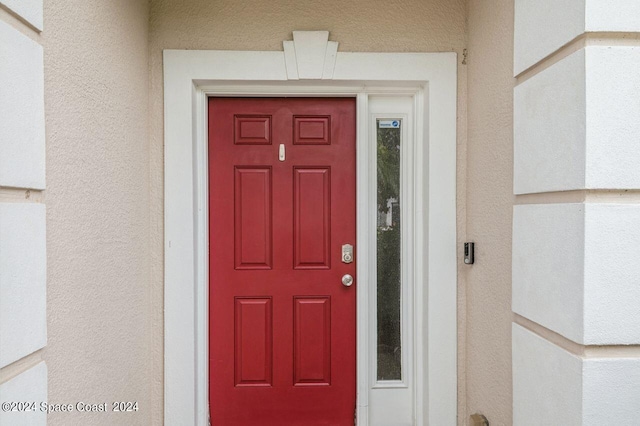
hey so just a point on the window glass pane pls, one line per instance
(388, 250)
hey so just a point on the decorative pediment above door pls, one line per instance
(310, 56)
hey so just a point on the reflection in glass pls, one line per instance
(388, 251)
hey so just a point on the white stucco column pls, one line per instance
(576, 222)
(23, 262)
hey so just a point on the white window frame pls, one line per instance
(394, 401)
(190, 77)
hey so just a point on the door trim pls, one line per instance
(430, 78)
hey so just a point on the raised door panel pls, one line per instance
(312, 341)
(312, 217)
(253, 218)
(252, 130)
(312, 130)
(253, 341)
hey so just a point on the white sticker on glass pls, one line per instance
(389, 124)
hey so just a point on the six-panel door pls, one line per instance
(282, 327)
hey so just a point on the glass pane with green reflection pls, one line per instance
(388, 251)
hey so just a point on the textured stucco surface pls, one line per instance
(104, 121)
(97, 196)
(489, 200)
(368, 26)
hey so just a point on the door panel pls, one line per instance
(312, 130)
(252, 218)
(282, 345)
(312, 350)
(252, 130)
(312, 221)
(253, 341)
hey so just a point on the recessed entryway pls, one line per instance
(426, 85)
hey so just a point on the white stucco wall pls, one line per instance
(556, 387)
(575, 123)
(28, 10)
(22, 110)
(544, 26)
(30, 387)
(23, 266)
(575, 270)
(23, 255)
(576, 344)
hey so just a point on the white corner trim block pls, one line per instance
(543, 26)
(29, 10)
(23, 269)
(549, 126)
(548, 266)
(547, 382)
(576, 123)
(430, 79)
(29, 386)
(554, 387)
(576, 272)
(22, 145)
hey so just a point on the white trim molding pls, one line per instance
(190, 76)
(393, 402)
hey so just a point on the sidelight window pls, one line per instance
(388, 256)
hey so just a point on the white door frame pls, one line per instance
(430, 78)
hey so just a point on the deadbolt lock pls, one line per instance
(347, 253)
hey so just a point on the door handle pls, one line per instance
(347, 280)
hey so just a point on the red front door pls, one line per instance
(282, 326)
